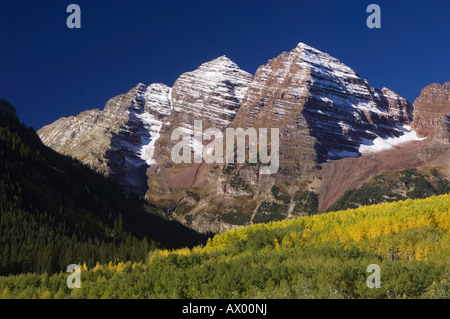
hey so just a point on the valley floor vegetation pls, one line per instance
(319, 256)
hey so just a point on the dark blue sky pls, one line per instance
(49, 71)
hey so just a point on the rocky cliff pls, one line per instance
(432, 112)
(212, 94)
(118, 140)
(323, 108)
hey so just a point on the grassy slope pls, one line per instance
(396, 185)
(320, 256)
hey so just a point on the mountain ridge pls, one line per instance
(325, 112)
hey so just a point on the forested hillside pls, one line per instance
(320, 256)
(54, 211)
(397, 185)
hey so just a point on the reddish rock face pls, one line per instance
(399, 108)
(323, 109)
(213, 93)
(432, 112)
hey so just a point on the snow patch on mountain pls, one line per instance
(157, 107)
(381, 144)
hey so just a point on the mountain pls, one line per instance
(392, 174)
(55, 211)
(117, 141)
(324, 111)
(314, 98)
(432, 112)
(335, 133)
(213, 94)
(356, 181)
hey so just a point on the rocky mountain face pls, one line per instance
(212, 94)
(117, 141)
(323, 110)
(432, 112)
(430, 152)
(313, 94)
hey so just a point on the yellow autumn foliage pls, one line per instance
(352, 225)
